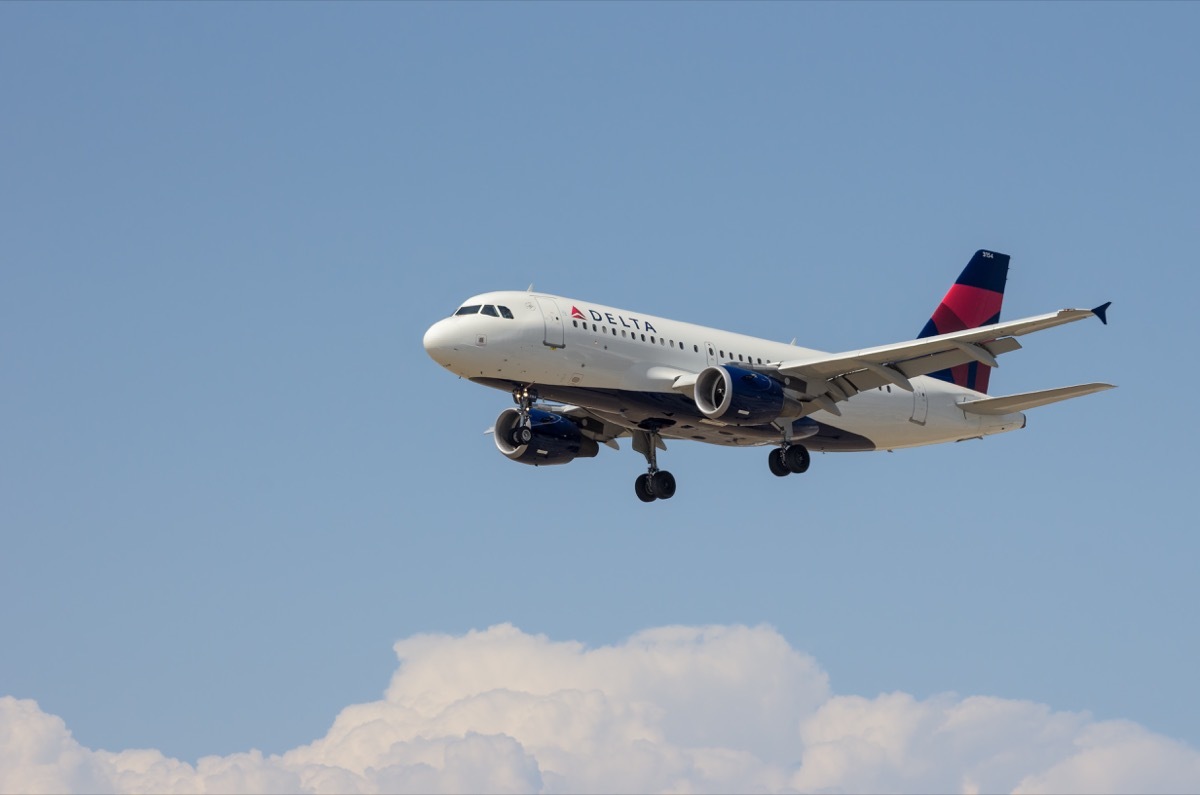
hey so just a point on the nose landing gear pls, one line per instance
(522, 432)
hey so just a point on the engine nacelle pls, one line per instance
(556, 440)
(739, 397)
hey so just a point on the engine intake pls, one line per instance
(556, 440)
(739, 397)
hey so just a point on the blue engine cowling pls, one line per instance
(556, 440)
(738, 397)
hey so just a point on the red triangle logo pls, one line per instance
(576, 313)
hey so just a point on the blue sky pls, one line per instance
(230, 478)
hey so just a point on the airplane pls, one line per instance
(582, 374)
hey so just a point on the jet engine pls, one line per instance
(551, 438)
(739, 397)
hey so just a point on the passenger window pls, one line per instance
(489, 310)
(505, 312)
(593, 327)
(575, 323)
(695, 348)
(623, 333)
(468, 310)
(739, 357)
(651, 339)
(643, 338)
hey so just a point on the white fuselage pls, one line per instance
(603, 358)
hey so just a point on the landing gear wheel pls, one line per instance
(521, 435)
(663, 484)
(641, 487)
(778, 465)
(797, 458)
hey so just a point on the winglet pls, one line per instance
(1102, 312)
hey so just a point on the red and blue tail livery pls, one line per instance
(973, 301)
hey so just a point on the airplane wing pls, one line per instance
(829, 379)
(590, 424)
(605, 432)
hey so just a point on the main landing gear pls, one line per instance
(655, 484)
(522, 432)
(788, 459)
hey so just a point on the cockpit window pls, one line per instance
(485, 309)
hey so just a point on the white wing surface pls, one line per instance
(831, 378)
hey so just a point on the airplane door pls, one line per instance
(710, 353)
(554, 326)
(920, 402)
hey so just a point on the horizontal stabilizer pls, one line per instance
(1010, 404)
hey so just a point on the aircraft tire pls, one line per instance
(641, 487)
(521, 435)
(663, 484)
(797, 458)
(779, 467)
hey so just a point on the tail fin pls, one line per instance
(973, 301)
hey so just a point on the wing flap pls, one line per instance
(870, 377)
(1010, 404)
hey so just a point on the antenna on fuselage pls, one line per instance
(529, 289)
(793, 340)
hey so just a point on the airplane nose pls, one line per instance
(438, 339)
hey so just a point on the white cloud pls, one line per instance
(676, 709)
